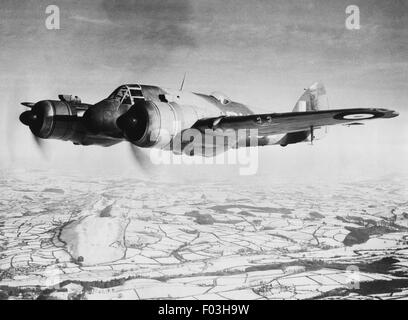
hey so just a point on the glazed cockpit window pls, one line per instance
(126, 99)
(127, 94)
(119, 93)
(136, 93)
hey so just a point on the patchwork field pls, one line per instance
(70, 237)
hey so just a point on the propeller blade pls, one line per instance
(40, 143)
(12, 129)
(41, 146)
(141, 158)
(28, 104)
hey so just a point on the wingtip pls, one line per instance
(395, 114)
(389, 113)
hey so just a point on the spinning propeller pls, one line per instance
(34, 118)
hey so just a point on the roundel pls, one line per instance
(356, 115)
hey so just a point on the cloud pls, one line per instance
(159, 22)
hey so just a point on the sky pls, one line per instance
(262, 53)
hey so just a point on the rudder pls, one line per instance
(314, 98)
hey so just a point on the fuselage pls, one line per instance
(179, 110)
(153, 117)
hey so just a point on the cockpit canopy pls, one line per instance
(127, 94)
(222, 98)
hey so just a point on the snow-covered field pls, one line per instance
(84, 238)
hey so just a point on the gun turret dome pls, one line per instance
(222, 98)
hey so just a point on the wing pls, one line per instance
(278, 123)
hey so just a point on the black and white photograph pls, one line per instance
(220, 150)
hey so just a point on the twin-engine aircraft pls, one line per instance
(154, 117)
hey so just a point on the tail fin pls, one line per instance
(314, 98)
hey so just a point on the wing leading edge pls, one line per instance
(279, 123)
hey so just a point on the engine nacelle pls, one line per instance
(68, 120)
(147, 124)
(50, 119)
